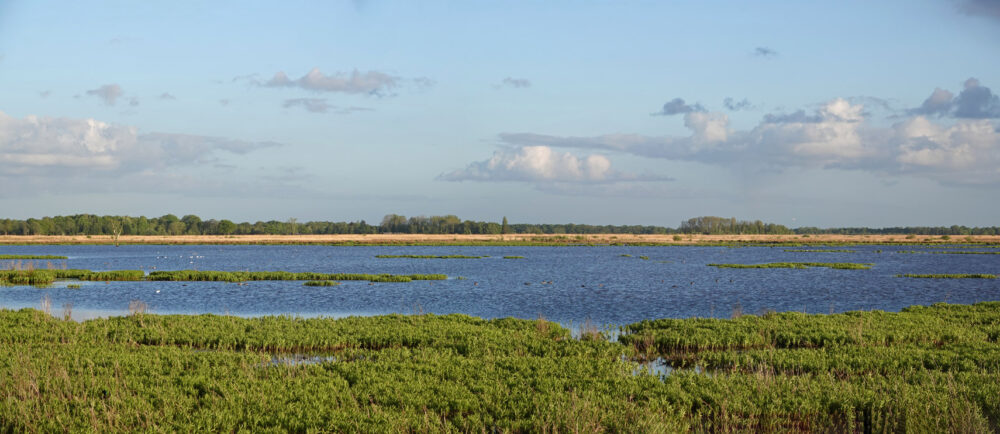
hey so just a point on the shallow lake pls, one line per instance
(564, 284)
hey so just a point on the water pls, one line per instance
(594, 283)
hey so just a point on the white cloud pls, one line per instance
(370, 82)
(62, 148)
(542, 164)
(967, 152)
(837, 135)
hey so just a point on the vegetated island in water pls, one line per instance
(34, 257)
(925, 369)
(821, 250)
(949, 276)
(46, 277)
(799, 265)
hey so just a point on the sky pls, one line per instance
(828, 114)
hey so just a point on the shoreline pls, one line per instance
(497, 240)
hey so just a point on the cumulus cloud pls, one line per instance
(109, 93)
(836, 135)
(764, 52)
(542, 164)
(515, 82)
(975, 101)
(736, 106)
(62, 148)
(373, 83)
(677, 106)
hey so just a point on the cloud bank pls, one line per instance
(837, 135)
(65, 154)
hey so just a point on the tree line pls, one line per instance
(89, 224)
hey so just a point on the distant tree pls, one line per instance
(176, 228)
(393, 223)
(292, 225)
(226, 227)
(504, 227)
(192, 223)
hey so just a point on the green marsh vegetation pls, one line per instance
(245, 276)
(39, 277)
(821, 250)
(35, 257)
(321, 283)
(949, 276)
(513, 257)
(800, 265)
(925, 369)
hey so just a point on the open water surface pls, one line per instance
(594, 283)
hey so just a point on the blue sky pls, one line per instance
(802, 113)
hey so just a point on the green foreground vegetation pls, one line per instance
(925, 369)
(835, 265)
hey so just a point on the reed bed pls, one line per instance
(800, 265)
(513, 257)
(949, 276)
